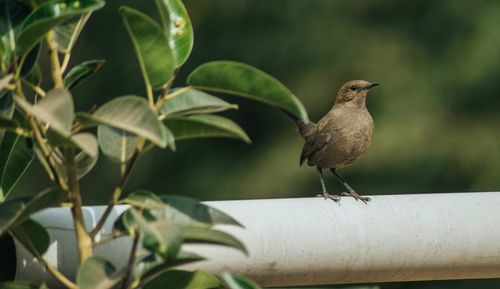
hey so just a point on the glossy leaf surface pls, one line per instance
(48, 16)
(176, 279)
(129, 113)
(15, 158)
(81, 72)
(243, 80)
(205, 126)
(179, 29)
(13, 212)
(151, 46)
(188, 101)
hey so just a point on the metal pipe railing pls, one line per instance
(313, 241)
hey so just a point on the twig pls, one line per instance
(115, 198)
(131, 259)
(79, 26)
(35, 88)
(54, 60)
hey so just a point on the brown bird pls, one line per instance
(341, 136)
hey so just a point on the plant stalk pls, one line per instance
(55, 65)
(131, 259)
(83, 239)
(115, 198)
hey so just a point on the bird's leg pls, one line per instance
(325, 193)
(351, 191)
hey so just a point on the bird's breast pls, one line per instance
(351, 134)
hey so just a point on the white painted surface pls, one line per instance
(316, 241)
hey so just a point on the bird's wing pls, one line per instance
(313, 144)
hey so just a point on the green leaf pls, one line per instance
(15, 211)
(188, 101)
(178, 27)
(87, 142)
(48, 16)
(35, 75)
(56, 109)
(6, 107)
(31, 60)
(197, 211)
(84, 163)
(151, 46)
(205, 126)
(129, 113)
(116, 144)
(85, 160)
(144, 199)
(33, 236)
(15, 158)
(97, 273)
(8, 124)
(237, 282)
(150, 269)
(176, 279)
(67, 33)
(12, 15)
(160, 236)
(81, 72)
(210, 236)
(243, 80)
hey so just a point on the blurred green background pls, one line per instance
(437, 113)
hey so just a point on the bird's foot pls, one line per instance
(326, 195)
(356, 196)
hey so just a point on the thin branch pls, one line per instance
(115, 198)
(79, 26)
(132, 258)
(54, 60)
(37, 89)
(166, 88)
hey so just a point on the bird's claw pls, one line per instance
(357, 197)
(325, 195)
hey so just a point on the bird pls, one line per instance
(340, 137)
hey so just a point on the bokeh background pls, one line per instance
(437, 112)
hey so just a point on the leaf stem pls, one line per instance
(149, 91)
(37, 89)
(79, 26)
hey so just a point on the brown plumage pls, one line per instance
(341, 136)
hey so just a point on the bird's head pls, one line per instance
(355, 92)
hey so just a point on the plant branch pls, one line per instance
(53, 172)
(37, 89)
(166, 88)
(54, 60)
(115, 198)
(56, 273)
(131, 259)
(82, 237)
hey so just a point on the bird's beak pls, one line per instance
(372, 85)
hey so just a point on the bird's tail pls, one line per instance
(305, 128)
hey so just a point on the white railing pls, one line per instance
(313, 241)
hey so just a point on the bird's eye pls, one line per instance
(353, 87)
